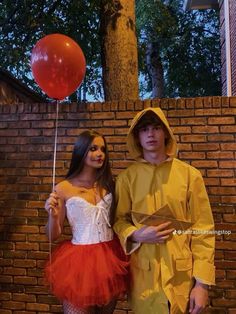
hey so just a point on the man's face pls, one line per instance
(152, 138)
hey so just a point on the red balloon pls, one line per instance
(58, 65)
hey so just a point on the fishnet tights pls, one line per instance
(106, 309)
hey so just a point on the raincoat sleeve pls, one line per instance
(203, 238)
(124, 226)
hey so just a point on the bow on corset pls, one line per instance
(101, 212)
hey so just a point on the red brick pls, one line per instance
(122, 106)
(6, 279)
(229, 199)
(37, 307)
(115, 123)
(181, 113)
(228, 146)
(23, 297)
(185, 147)
(140, 104)
(102, 116)
(25, 229)
(221, 120)
(227, 164)
(206, 147)
(211, 181)
(116, 139)
(4, 296)
(231, 274)
(229, 111)
(224, 302)
(24, 263)
(208, 112)
(228, 129)
(181, 130)
(229, 218)
(25, 280)
(125, 115)
(220, 173)
(121, 131)
(228, 182)
(193, 138)
(192, 155)
(220, 274)
(193, 121)
(27, 246)
(220, 155)
(231, 255)
(222, 190)
(226, 284)
(13, 305)
(43, 124)
(226, 245)
(205, 129)
(14, 271)
(205, 164)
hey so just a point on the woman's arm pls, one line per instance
(55, 207)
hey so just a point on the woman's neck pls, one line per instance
(87, 177)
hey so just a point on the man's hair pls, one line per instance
(149, 118)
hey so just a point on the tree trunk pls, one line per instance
(119, 50)
(155, 70)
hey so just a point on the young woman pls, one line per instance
(89, 272)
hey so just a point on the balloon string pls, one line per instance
(55, 150)
(53, 189)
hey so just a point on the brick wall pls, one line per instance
(205, 129)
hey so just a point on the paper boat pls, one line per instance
(160, 216)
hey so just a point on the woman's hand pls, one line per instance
(52, 205)
(152, 234)
(56, 215)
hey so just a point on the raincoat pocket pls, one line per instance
(145, 273)
(183, 276)
(183, 264)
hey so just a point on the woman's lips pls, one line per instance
(99, 161)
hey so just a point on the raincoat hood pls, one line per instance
(135, 150)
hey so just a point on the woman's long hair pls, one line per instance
(104, 177)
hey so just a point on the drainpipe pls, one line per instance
(228, 49)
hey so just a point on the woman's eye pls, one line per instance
(92, 149)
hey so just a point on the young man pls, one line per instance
(171, 271)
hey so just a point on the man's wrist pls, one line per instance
(133, 237)
(201, 284)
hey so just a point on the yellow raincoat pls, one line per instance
(165, 272)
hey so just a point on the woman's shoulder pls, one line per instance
(62, 188)
(62, 185)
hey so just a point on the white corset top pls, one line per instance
(89, 223)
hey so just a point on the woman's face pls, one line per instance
(96, 154)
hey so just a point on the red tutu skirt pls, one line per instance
(87, 275)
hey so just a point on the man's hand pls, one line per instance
(198, 298)
(152, 234)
